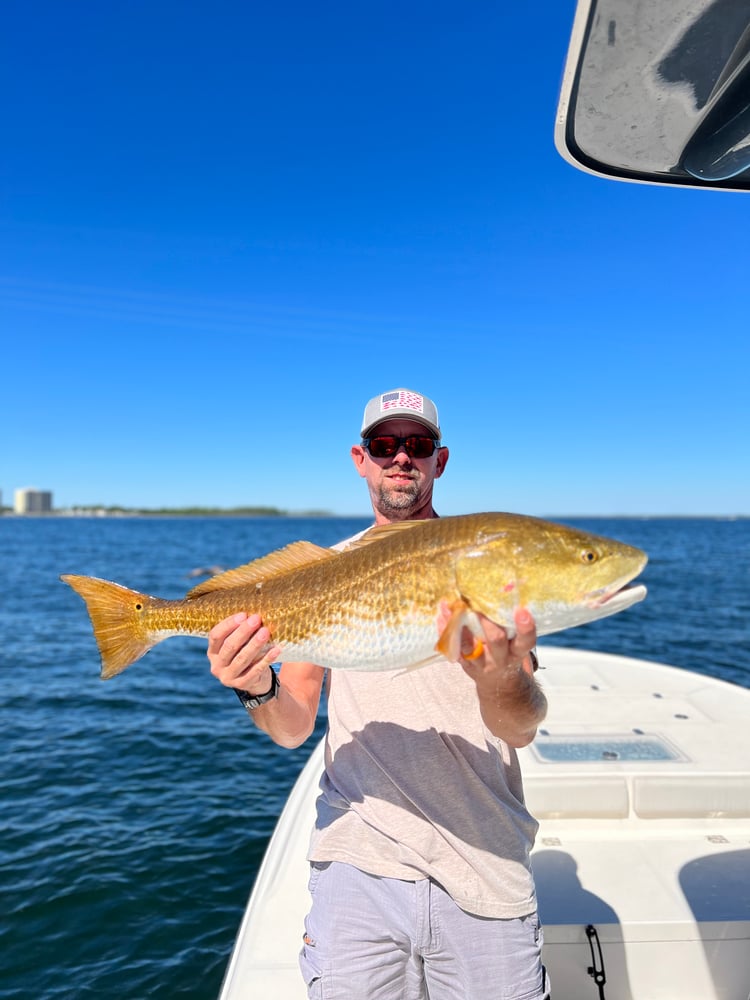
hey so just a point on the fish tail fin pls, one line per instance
(117, 617)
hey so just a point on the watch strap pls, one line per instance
(252, 701)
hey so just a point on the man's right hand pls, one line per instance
(240, 654)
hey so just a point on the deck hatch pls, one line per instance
(576, 749)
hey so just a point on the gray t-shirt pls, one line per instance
(415, 786)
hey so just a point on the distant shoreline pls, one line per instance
(173, 512)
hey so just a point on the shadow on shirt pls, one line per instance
(468, 792)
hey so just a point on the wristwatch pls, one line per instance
(251, 701)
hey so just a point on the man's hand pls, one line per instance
(511, 702)
(494, 659)
(240, 653)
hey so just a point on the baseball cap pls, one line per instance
(401, 403)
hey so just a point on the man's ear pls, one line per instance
(442, 461)
(358, 457)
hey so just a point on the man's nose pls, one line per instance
(402, 456)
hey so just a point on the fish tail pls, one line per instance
(117, 617)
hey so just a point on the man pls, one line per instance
(420, 876)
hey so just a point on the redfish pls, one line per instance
(374, 605)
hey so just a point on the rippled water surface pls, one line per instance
(135, 813)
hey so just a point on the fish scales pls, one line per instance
(318, 607)
(375, 604)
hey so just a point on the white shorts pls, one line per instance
(370, 937)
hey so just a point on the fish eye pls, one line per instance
(139, 607)
(588, 556)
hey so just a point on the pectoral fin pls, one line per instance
(449, 642)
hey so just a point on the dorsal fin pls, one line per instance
(291, 557)
(380, 531)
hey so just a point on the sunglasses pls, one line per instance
(388, 445)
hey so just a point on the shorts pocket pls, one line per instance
(310, 969)
(309, 956)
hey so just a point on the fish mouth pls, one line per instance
(618, 599)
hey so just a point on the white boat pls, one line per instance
(640, 779)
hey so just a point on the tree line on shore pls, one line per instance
(103, 510)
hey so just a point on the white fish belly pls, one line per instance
(367, 645)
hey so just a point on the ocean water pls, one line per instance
(134, 814)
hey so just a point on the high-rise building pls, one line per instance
(33, 501)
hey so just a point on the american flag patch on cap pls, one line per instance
(402, 400)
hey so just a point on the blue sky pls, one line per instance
(225, 226)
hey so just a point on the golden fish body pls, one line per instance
(374, 605)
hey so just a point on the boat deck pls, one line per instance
(640, 779)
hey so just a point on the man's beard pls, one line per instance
(404, 497)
